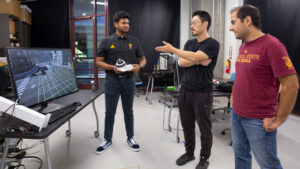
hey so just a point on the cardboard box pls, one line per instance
(12, 26)
(11, 7)
(25, 14)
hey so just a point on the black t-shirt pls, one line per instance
(198, 78)
(114, 47)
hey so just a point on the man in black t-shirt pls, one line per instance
(117, 83)
(197, 62)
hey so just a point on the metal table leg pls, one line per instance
(3, 159)
(96, 133)
(68, 132)
(152, 85)
(148, 85)
(169, 119)
(177, 132)
(47, 152)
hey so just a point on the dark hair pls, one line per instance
(248, 10)
(121, 15)
(204, 16)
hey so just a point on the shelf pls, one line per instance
(14, 17)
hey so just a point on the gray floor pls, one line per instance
(159, 149)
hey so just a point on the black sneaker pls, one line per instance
(203, 163)
(186, 157)
(104, 146)
(133, 145)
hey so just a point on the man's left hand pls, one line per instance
(168, 48)
(270, 124)
(136, 68)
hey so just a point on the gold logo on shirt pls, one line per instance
(246, 51)
(112, 46)
(288, 62)
(130, 45)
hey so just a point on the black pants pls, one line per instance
(196, 106)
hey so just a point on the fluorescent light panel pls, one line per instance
(98, 3)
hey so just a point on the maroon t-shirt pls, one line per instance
(259, 64)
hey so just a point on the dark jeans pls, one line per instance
(196, 106)
(113, 88)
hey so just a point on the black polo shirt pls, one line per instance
(198, 78)
(114, 47)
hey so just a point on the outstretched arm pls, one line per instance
(188, 55)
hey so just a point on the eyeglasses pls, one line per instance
(194, 23)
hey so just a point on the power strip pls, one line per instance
(24, 113)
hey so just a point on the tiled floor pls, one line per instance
(159, 149)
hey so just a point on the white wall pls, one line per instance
(229, 38)
(185, 17)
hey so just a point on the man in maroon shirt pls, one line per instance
(262, 66)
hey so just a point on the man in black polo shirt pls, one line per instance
(127, 48)
(197, 62)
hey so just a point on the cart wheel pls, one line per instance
(223, 132)
(170, 129)
(68, 133)
(178, 140)
(96, 134)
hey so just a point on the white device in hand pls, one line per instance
(122, 66)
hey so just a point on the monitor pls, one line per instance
(40, 75)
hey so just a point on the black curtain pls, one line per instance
(50, 23)
(281, 18)
(152, 21)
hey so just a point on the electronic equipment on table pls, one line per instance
(39, 75)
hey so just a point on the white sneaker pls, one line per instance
(133, 145)
(104, 146)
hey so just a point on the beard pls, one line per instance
(123, 30)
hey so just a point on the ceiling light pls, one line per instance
(98, 3)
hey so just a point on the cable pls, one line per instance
(11, 106)
(20, 165)
(37, 143)
(15, 103)
(14, 106)
(16, 166)
(28, 157)
(41, 161)
(33, 145)
(2, 112)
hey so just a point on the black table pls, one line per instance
(85, 97)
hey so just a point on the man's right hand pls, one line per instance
(116, 70)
